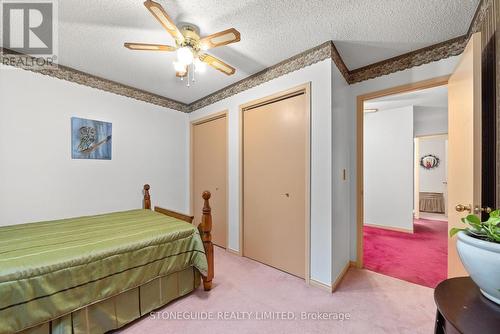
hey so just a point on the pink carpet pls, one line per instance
(419, 258)
(374, 302)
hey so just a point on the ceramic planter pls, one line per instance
(481, 259)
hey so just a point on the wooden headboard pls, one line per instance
(205, 229)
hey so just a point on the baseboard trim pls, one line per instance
(320, 285)
(396, 229)
(339, 279)
(232, 251)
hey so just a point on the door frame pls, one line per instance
(193, 196)
(430, 83)
(417, 168)
(306, 88)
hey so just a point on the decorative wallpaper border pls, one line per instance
(339, 62)
(70, 74)
(321, 52)
(481, 12)
(306, 58)
(452, 47)
(418, 57)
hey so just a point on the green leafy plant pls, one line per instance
(488, 230)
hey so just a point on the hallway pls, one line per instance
(419, 258)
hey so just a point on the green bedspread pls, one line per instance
(48, 269)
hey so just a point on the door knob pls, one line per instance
(479, 209)
(462, 208)
(287, 194)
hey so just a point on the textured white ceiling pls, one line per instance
(436, 97)
(92, 32)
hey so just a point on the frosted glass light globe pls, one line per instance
(200, 66)
(185, 55)
(179, 67)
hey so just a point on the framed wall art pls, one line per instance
(90, 139)
(429, 161)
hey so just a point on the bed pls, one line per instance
(431, 202)
(97, 273)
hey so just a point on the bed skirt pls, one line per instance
(432, 202)
(119, 310)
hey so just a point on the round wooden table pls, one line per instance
(461, 308)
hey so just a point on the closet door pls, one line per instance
(210, 173)
(275, 140)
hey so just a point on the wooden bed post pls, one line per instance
(147, 198)
(205, 229)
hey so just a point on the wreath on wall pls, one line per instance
(429, 161)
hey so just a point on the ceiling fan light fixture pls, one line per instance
(181, 75)
(159, 14)
(200, 67)
(188, 44)
(222, 67)
(224, 38)
(180, 67)
(185, 55)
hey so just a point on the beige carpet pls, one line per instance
(254, 293)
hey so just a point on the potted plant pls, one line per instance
(478, 246)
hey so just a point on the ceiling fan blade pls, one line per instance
(161, 15)
(149, 47)
(217, 64)
(221, 38)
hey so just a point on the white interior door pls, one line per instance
(445, 180)
(416, 176)
(464, 164)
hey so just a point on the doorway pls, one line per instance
(209, 171)
(431, 177)
(275, 180)
(472, 137)
(404, 162)
(470, 185)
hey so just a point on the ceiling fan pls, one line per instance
(191, 56)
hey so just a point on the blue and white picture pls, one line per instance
(90, 139)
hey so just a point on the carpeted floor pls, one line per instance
(375, 304)
(420, 257)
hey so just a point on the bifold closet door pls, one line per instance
(274, 183)
(210, 173)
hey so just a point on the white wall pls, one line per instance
(430, 121)
(431, 180)
(388, 168)
(40, 181)
(150, 144)
(415, 74)
(319, 75)
(341, 239)
(333, 202)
